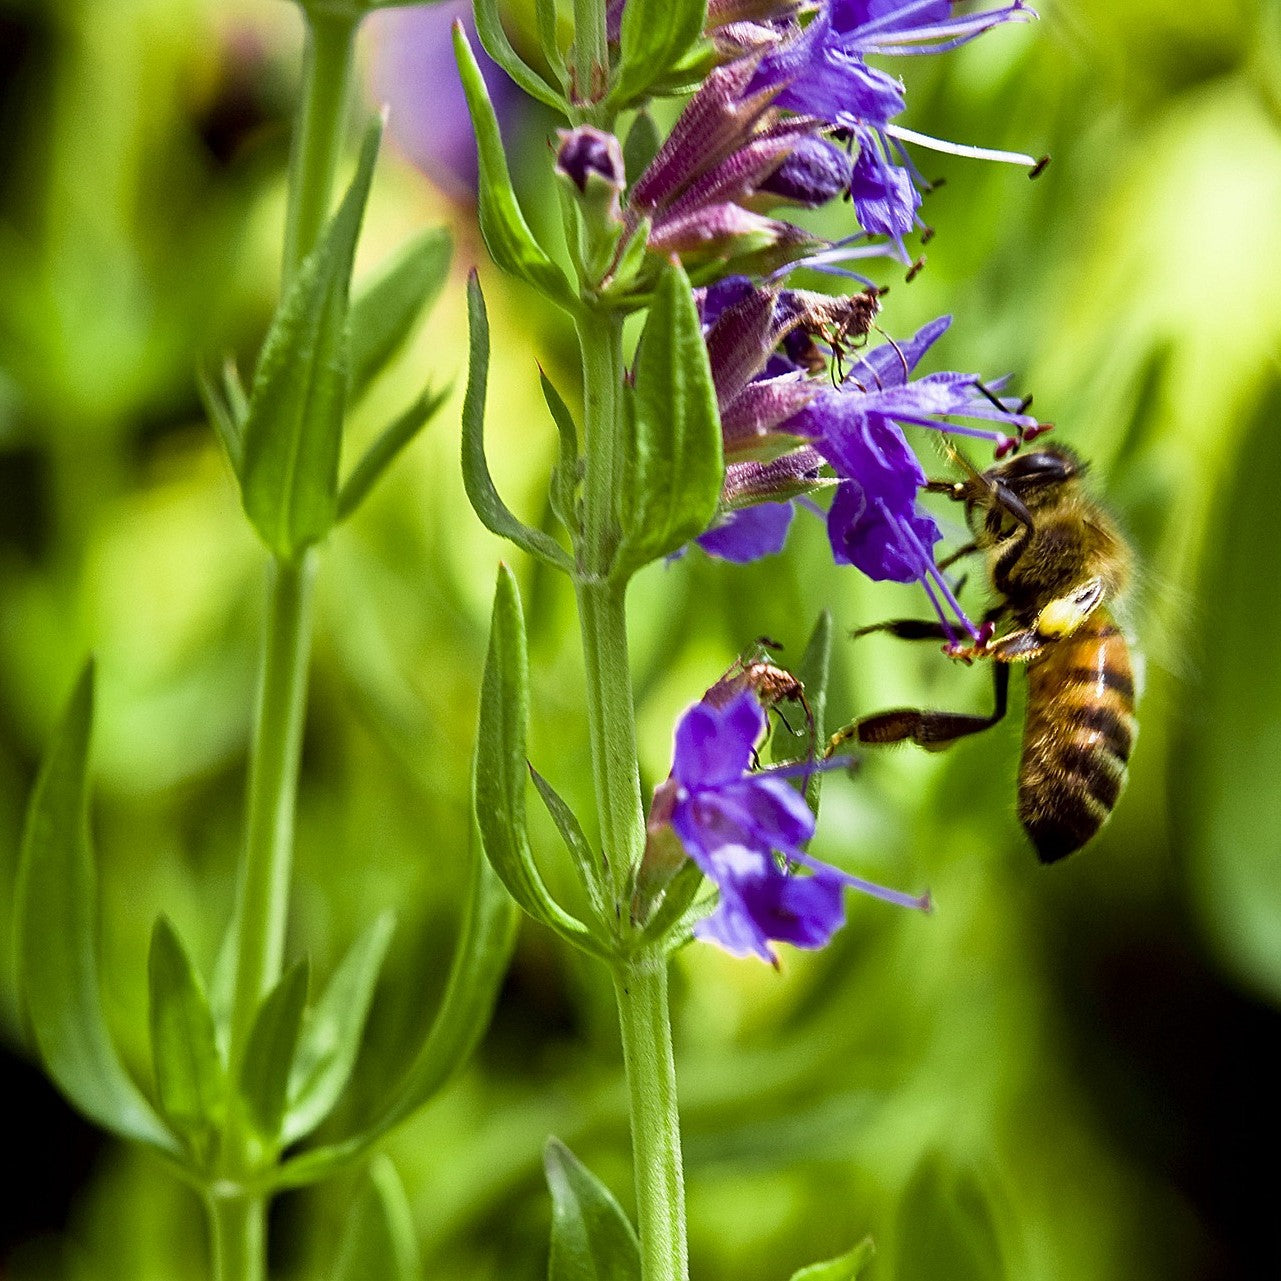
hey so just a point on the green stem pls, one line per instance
(327, 77)
(640, 986)
(238, 1232)
(273, 781)
(602, 613)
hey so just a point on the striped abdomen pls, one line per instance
(1077, 739)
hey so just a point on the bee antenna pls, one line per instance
(988, 394)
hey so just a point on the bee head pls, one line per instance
(1040, 470)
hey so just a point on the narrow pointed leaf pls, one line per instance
(269, 1055)
(565, 477)
(640, 146)
(846, 1267)
(190, 1078)
(678, 898)
(384, 451)
(545, 17)
(225, 425)
(499, 776)
(383, 314)
(480, 960)
(656, 35)
(507, 235)
(592, 1239)
(331, 1032)
(56, 939)
(494, 39)
(293, 434)
(379, 1243)
(584, 858)
(809, 738)
(493, 512)
(674, 472)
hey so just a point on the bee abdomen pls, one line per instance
(1079, 734)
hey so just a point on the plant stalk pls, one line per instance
(602, 611)
(238, 1233)
(644, 1017)
(318, 137)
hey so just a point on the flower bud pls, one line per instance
(815, 172)
(592, 161)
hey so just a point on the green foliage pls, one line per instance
(485, 500)
(500, 774)
(591, 1237)
(379, 1244)
(656, 36)
(946, 1227)
(191, 1080)
(57, 939)
(510, 242)
(582, 856)
(807, 740)
(846, 1267)
(489, 27)
(674, 464)
(330, 1038)
(565, 475)
(293, 434)
(269, 1055)
(383, 314)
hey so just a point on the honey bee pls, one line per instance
(1056, 561)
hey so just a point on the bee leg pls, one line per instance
(928, 729)
(960, 554)
(906, 629)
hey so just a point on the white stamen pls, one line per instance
(958, 148)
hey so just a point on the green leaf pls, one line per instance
(190, 1078)
(584, 858)
(548, 32)
(494, 39)
(675, 469)
(640, 146)
(383, 314)
(947, 1231)
(480, 960)
(293, 434)
(846, 1267)
(507, 235)
(331, 1032)
(225, 424)
(269, 1054)
(591, 1237)
(495, 515)
(678, 898)
(379, 1243)
(55, 936)
(499, 776)
(386, 448)
(812, 672)
(565, 475)
(656, 35)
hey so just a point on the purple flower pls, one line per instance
(745, 829)
(749, 533)
(875, 522)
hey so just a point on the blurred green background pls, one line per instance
(1087, 1053)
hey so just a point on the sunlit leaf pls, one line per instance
(581, 854)
(386, 448)
(489, 28)
(331, 1031)
(656, 35)
(507, 235)
(675, 469)
(190, 1078)
(846, 1267)
(500, 777)
(947, 1231)
(592, 1239)
(379, 1243)
(269, 1054)
(383, 313)
(57, 939)
(485, 500)
(293, 434)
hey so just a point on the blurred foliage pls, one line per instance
(1083, 1056)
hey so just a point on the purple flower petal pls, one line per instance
(714, 744)
(749, 533)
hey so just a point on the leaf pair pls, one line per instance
(284, 440)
